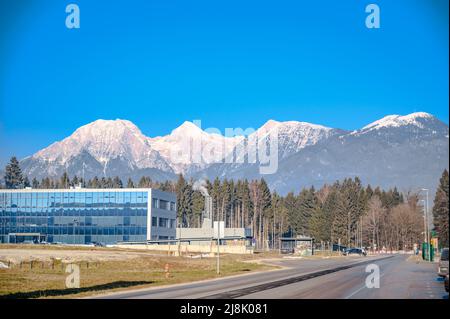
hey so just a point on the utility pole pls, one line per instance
(361, 231)
(424, 223)
(427, 226)
(218, 256)
(218, 232)
(428, 232)
(179, 237)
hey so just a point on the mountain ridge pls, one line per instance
(307, 152)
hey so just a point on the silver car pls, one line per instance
(443, 263)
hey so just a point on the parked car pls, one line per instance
(446, 283)
(443, 263)
(97, 244)
(355, 251)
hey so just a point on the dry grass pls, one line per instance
(46, 279)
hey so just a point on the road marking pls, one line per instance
(235, 293)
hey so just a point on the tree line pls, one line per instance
(344, 212)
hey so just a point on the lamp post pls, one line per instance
(427, 226)
(424, 221)
(179, 236)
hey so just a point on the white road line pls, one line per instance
(358, 290)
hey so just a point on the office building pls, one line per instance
(84, 216)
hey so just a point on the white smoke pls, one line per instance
(200, 186)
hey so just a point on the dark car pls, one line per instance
(446, 283)
(97, 244)
(443, 263)
(354, 251)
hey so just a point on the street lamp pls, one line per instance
(427, 226)
(424, 221)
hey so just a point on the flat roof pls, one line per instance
(296, 239)
(74, 190)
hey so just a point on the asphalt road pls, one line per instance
(331, 278)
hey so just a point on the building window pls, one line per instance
(172, 206)
(172, 223)
(154, 221)
(163, 222)
(155, 203)
(163, 204)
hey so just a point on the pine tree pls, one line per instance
(166, 186)
(307, 204)
(441, 210)
(294, 218)
(184, 193)
(130, 183)
(397, 198)
(75, 181)
(322, 219)
(244, 203)
(26, 182)
(103, 182)
(117, 182)
(225, 198)
(369, 192)
(145, 182)
(65, 181)
(316, 223)
(279, 219)
(35, 183)
(198, 205)
(94, 183)
(336, 202)
(216, 195)
(13, 174)
(265, 201)
(45, 183)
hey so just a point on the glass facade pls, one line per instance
(73, 217)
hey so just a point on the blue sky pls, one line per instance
(228, 63)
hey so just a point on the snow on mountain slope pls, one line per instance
(415, 119)
(118, 147)
(189, 145)
(105, 140)
(292, 136)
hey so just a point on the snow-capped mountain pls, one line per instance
(292, 135)
(106, 140)
(409, 152)
(416, 119)
(188, 147)
(395, 150)
(101, 148)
